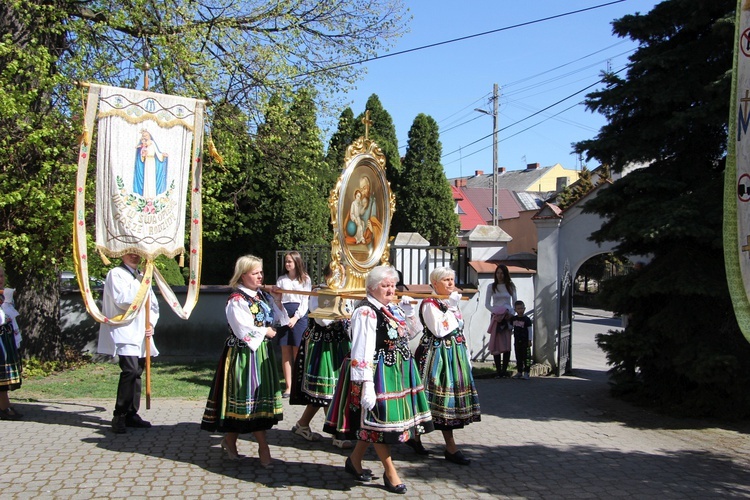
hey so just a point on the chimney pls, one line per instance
(532, 166)
(460, 183)
(478, 172)
(501, 170)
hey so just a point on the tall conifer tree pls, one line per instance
(341, 140)
(424, 195)
(290, 179)
(383, 132)
(682, 347)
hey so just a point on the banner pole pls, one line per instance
(148, 352)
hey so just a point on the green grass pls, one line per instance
(99, 381)
(169, 379)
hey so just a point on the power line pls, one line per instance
(513, 135)
(530, 87)
(454, 40)
(546, 72)
(533, 115)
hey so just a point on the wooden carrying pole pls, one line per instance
(146, 67)
(148, 352)
(355, 295)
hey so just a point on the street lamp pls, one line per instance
(495, 101)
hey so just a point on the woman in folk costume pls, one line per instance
(379, 397)
(499, 300)
(325, 345)
(444, 362)
(10, 361)
(245, 395)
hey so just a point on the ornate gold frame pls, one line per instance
(364, 171)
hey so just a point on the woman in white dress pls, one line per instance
(499, 300)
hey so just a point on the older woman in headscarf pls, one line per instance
(444, 362)
(379, 397)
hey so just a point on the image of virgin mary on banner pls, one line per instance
(148, 157)
(150, 173)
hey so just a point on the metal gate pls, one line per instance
(564, 344)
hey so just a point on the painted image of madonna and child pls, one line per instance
(363, 227)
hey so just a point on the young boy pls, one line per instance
(523, 338)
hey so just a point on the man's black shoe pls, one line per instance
(118, 424)
(137, 421)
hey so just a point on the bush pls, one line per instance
(170, 270)
(34, 367)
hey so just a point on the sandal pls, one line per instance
(305, 432)
(344, 444)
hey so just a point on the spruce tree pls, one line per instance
(682, 348)
(383, 132)
(340, 140)
(303, 210)
(232, 215)
(424, 195)
(290, 180)
(571, 194)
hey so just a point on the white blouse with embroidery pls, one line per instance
(364, 324)
(242, 320)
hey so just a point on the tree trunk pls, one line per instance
(38, 298)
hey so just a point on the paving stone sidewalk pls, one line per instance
(543, 438)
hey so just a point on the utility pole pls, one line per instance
(495, 104)
(494, 114)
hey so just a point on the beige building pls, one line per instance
(532, 178)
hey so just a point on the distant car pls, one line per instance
(68, 280)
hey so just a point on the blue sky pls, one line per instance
(535, 66)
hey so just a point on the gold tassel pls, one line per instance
(85, 137)
(182, 259)
(104, 258)
(214, 152)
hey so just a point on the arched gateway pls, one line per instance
(563, 246)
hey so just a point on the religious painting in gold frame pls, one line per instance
(362, 206)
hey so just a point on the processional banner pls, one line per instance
(737, 175)
(143, 165)
(148, 158)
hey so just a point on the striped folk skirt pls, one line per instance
(401, 411)
(10, 361)
(448, 382)
(245, 395)
(316, 369)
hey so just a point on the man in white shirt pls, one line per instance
(127, 341)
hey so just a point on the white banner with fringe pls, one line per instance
(148, 154)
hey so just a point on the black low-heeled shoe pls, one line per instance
(417, 447)
(398, 488)
(364, 476)
(457, 458)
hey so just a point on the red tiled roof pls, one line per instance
(470, 218)
(507, 204)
